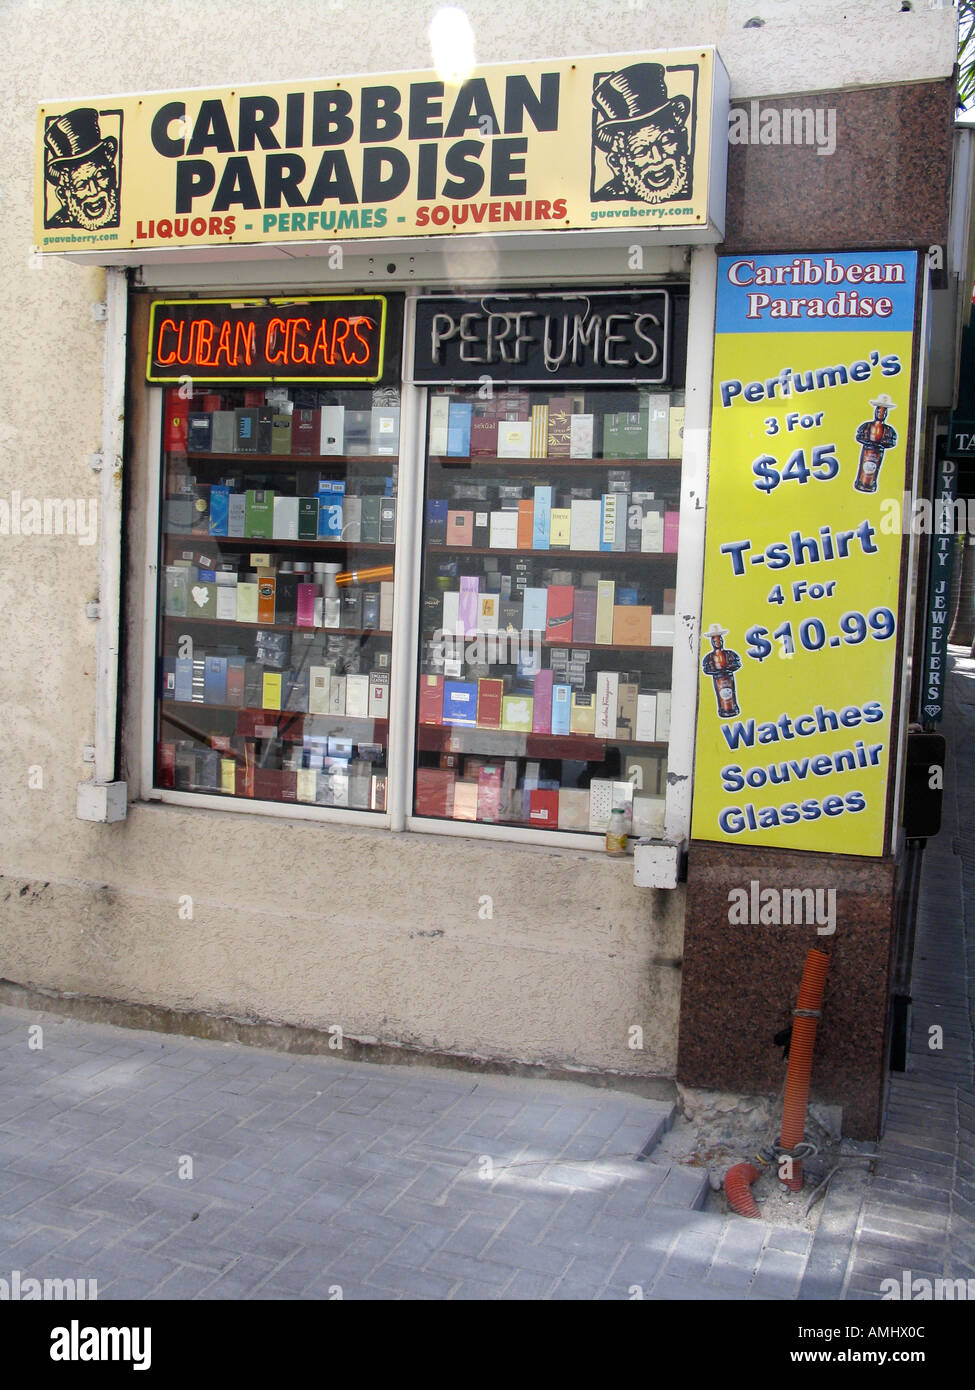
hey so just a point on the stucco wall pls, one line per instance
(293, 921)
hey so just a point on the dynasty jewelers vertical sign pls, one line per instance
(809, 418)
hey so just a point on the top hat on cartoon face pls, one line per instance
(633, 97)
(75, 137)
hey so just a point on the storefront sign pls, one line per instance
(939, 592)
(809, 423)
(317, 339)
(631, 141)
(603, 336)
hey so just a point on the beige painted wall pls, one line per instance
(293, 921)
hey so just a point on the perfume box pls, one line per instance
(183, 680)
(626, 434)
(370, 609)
(245, 431)
(215, 680)
(600, 804)
(652, 528)
(581, 436)
(331, 494)
(226, 609)
(336, 695)
(247, 604)
(482, 529)
(385, 429)
(280, 433)
(307, 518)
(284, 525)
(516, 713)
(657, 407)
(378, 694)
(560, 528)
(539, 431)
(489, 793)
(358, 432)
(439, 419)
(271, 690)
(558, 625)
(626, 697)
(510, 615)
(585, 523)
(306, 432)
(175, 423)
(265, 419)
(369, 518)
(487, 612)
(671, 528)
(437, 522)
(526, 518)
(351, 611)
(237, 514)
(460, 702)
(504, 531)
(265, 599)
(662, 629)
(202, 600)
(489, 696)
(386, 605)
(199, 432)
(632, 625)
(514, 439)
(352, 519)
(332, 429)
(387, 520)
(177, 591)
(305, 614)
(646, 717)
(543, 808)
(573, 806)
(484, 437)
(559, 441)
(613, 517)
(584, 615)
(561, 709)
(319, 678)
(223, 433)
(259, 514)
(583, 713)
(542, 518)
(357, 695)
(675, 432)
(542, 703)
(607, 690)
(663, 716)
(535, 615)
(431, 700)
(435, 791)
(459, 419)
(605, 611)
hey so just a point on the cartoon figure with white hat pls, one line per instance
(720, 664)
(876, 438)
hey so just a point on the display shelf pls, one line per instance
(657, 556)
(256, 712)
(259, 543)
(461, 738)
(278, 627)
(555, 464)
(282, 460)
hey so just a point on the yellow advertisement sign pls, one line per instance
(812, 389)
(632, 140)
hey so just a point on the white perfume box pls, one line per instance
(646, 717)
(586, 523)
(663, 716)
(580, 436)
(514, 439)
(357, 695)
(285, 524)
(607, 691)
(333, 429)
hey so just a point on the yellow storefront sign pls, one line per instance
(810, 410)
(626, 141)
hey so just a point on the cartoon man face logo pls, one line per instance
(83, 168)
(643, 135)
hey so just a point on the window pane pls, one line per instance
(549, 562)
(278, 517)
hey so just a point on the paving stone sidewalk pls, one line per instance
(311, 1173)
(916, 1213)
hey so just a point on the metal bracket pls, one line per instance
(99, 312)
(93, 611)
(95, 462)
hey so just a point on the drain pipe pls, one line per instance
(806, 1014)
(738, 1189)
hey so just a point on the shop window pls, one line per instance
(278, 521)
(548, 587)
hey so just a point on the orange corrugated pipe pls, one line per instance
(806, 1016)
(738, 1189)
(348, 577)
